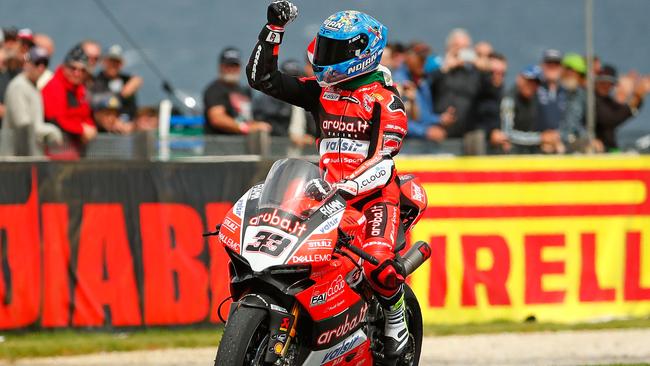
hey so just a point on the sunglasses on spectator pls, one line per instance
(76, 68)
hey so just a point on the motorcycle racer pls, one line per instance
(361, 122)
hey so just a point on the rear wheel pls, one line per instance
(245, 338)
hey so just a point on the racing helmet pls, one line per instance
(349, 43)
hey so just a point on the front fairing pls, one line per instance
(274, 224)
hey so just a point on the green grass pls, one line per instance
(508, 326)
(68, 342)
(17, 345)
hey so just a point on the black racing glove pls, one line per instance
(281, 12)
(317, 189)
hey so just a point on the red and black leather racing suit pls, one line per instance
(360, 132)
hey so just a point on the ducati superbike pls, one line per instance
(298, 289)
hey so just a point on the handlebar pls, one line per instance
(410, 261)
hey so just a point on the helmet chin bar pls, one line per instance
(324, 84)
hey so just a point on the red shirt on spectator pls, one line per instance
(66, 104)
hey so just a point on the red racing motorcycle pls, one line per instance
(299, 293)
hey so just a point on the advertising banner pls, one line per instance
(554, 239)
(118, 244)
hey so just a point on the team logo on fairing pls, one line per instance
(256, 191)
(340, 350)
(309, 258)
(272, 218)
(347, 325)
(319, 296)
(229, 224)
(331, 208)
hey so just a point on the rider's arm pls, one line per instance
(389, 124)
(262, 69)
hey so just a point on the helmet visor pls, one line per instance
(329, 51)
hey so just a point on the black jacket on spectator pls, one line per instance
(489, 110)
(102, 84)
(551, 107)
(609, 115)
(461, 88)
(235, 98)
(274, 111)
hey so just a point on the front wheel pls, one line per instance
(414, 320)
(245, 338)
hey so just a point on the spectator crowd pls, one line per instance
(58, 111)
(458, 94)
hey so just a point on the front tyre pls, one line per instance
(414, 320)
(245, 338)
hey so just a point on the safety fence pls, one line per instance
(118, 243)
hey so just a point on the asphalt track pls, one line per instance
(549, 348)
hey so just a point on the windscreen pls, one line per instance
(284, 187)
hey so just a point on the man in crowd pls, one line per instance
(551, 97)
(45, 42)
(24, 133)
(483, 52)
(519, 115)
(227, 104)
(93, 51)
(572, 125)
(106, 112)
(489, 104)
(66, 103)
(13, 64)
(459, 84)
(610, 114)
(113, 80)
(423, 123)
(25, 41)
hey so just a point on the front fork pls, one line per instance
(282, 331)
(282, 324)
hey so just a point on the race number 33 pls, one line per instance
(268, 243)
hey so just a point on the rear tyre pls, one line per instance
(411, 356)
(245, 339)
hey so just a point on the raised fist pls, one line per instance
(281, 12)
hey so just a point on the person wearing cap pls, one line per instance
(45, 42)
(24, 132)
(572, 125)
(112, 79)
(25, 40)
(66, 104)
(519, 115)
(106, 112)
(551, 97)
(227, 104)
(610, 114)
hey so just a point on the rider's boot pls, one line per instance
(396, 333)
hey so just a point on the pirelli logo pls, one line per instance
(563, 239)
